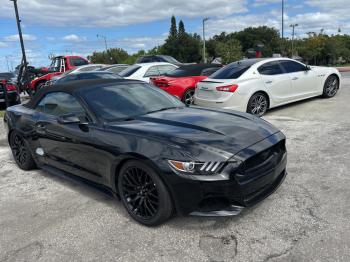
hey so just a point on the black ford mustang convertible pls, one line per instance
(150, 150)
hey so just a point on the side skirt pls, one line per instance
(79, 180)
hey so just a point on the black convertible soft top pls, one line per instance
(192, 70)
(71, 87)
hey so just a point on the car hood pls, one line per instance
(224, 133)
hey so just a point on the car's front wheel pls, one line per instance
(331, 87)
(258, 104)
(21, 152)
(144, 194)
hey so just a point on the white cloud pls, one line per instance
(26, 37)
(74, 38)
(108, 13)
(258, 3)
(3, 45)
(237, 23)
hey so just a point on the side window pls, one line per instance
(270, 68)
(163, 69)
(292, 67)
(147, 59)
(152, 71)
(59, 103)
(78, 62)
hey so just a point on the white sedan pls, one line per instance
(255, 85)
(146, 70)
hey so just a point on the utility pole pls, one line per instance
(7, 62)
(282, 19)
(293, 33)
(204, 54)
(105, 39)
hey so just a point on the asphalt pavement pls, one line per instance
(48, 218)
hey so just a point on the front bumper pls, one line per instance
(246, 187)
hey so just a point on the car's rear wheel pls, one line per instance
(144, 194)
(331, 86)
(21, 152)
(188, 97)
(258, 104)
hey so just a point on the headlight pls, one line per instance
(196, 168)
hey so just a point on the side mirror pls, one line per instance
(68, 119)
(307, 68)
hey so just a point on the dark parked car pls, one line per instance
(159, 156)
(116, 69)
(86, 76)
(8, 89)
(157, 58)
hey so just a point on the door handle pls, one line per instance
(268, 82)
(295, 78)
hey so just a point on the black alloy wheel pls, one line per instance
(143, 194)
(257, 104)
(331, 87)
(21, 152)
(188, 98)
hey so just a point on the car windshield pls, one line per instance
(125, 101)
(129, 71)
(234, 70)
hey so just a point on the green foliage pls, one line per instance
(318, 49)
(173, 29)
(229, 51)
(184, 47)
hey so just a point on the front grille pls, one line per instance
(277, 151)
(262, 173)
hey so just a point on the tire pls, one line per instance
(258, 104)
(21, 152)
(144, 194)
(188, 97)
(331, 86)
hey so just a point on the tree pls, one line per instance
(229, 51)
(173, 29)
(182, 30)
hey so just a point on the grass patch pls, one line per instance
(2, 113)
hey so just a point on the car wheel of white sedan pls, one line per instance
(331, 87)
(258, 104)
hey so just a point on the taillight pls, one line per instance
(11, 87)
(231, 88)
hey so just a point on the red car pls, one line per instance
(182, 81)
(59, 65)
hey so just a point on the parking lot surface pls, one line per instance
(48, 218)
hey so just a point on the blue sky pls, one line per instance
(70, 26)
